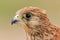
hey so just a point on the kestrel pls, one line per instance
(36, 24)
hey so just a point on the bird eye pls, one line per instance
(27, 15)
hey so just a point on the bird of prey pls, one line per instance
(36, 24)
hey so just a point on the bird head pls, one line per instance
(30, 17)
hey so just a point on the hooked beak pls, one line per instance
(14, 20)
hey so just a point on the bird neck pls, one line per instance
(42, 32)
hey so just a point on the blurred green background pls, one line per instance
(9, 7)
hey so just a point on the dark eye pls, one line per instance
(28, 15)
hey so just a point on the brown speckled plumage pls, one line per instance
(38, 27)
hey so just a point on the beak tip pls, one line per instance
(11, 23)
(14, 21)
